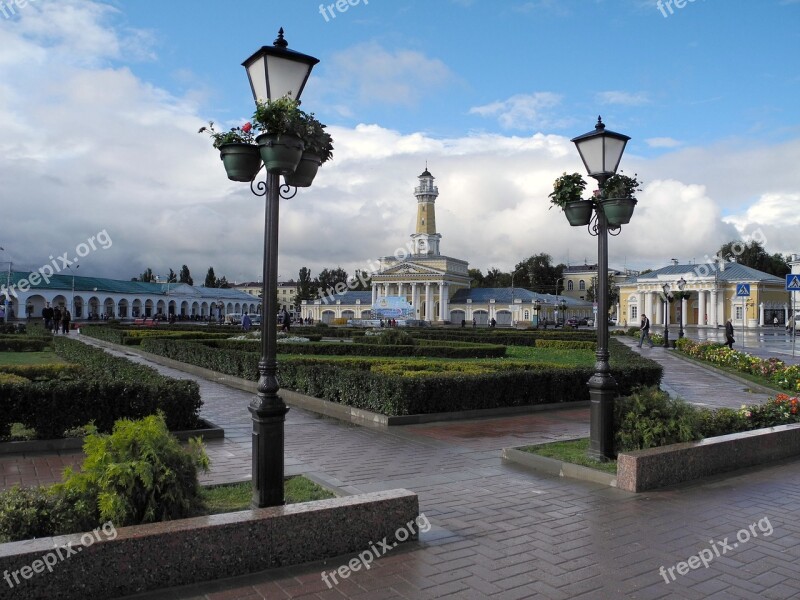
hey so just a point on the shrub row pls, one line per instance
(22, 344)
(44, 372)
(566, 345)
(400, 388)
(109, 389)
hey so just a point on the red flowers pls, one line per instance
(247, 127)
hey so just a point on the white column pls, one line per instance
(374, 293)
(761, 314)
(701, 308)
(415, 288)
(684, 306)
(646, 307)
(428, 302)
(713, 318)
(444, 302)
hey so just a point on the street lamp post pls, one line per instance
(601, 152)
(274, 72)
(681, 285)
(562, 307)
(667, 298)
(537, 305)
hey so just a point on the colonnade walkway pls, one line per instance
(498, 531)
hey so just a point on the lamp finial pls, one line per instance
(600, 125)
(279, 41)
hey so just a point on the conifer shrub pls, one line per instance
(139, 473)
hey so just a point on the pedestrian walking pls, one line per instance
(645, 331)
(729, 341)
(246, 322)
(66, 317)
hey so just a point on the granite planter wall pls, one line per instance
(147, 557)
(668, 465)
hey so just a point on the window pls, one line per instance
(634, 313)
(581, 285)
(527, 315)
(570, 285)
(738, 313)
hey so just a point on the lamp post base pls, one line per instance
(602, 392)
(666, 337)
(267, 467)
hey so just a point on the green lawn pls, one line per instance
(573, 451)
(557, 356)
(29, 358)
(230, 498)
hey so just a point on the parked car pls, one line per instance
(573, 322)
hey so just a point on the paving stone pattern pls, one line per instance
(501, 532)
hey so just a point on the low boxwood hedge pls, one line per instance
(22, 344)
(566, 345)
(108, 389)
(397, 387)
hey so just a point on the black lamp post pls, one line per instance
(667, 299)
(562, 307)
(681, 285)
(537, 306)
(601, 151)
(274, 71)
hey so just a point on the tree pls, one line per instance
(495, 278)
(613, 292)
(222, 282)
(754, 256)
(186, 277)
(306, 288)
(477, 278)
(147, 276)
(211, 279)
(172, 277)
(328, 278)
(542, 276)
(360, 282)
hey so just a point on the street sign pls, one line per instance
(742, 289)
(793, 282)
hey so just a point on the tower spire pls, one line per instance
(426, 239)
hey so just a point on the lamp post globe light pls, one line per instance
(562, 307)
(601, 151)
(274, 72)
(681, 285)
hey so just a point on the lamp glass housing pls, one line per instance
(601, 150)
(275, 71)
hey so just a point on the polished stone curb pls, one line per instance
(349, 414)
(113, 562)
(552, 466)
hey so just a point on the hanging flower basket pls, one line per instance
(305, 172)
(618, 210)
(579, 212)
(241, 161)
(281, 153)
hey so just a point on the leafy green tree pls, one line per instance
(542, 276)
(360, 282)
(478, 280)
(754, 256)
(147, 276)
(172, 277)
(328, 278)
(306, 288)
(495, 278)
(211, 279)
(185, 276)
(222, 282)
(613, 292)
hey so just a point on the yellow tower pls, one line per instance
(426, 240)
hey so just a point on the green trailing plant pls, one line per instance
(43, 511)
(316, 140)
(279, 117)
(236, 135)
(567, 188)
(620, 185)
(139, 473)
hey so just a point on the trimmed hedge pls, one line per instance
(44, 372)
(566, 345)
(110, 388)
(22, 344)
(396, 387)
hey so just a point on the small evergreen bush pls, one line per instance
(27, 513)
(649, 418)
(139, 474)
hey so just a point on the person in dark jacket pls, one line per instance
(729, 341)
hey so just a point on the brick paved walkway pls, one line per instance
(501, 532)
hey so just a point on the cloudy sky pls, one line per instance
(100, 102)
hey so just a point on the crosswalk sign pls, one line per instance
(793, 282)
(742, 289)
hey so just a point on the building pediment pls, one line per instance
(409, 268)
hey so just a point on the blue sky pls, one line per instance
(100, 102)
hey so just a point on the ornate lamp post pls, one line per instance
(667, 299)
(681, 285)
(601, 152)
(562, 307)
(537, 306)
(274, 71)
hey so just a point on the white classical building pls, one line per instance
(438, 286)
(93, 297)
